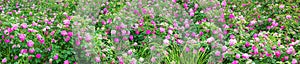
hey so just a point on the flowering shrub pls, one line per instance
(154, 31)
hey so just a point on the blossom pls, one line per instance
(133, 61)
(22, 37)
(97, 59)
(63, 33)
(24, 25)
(4, 60)
(246, 56)
(131, 37)
(113, 31)
(30, 43)
(38, 56)
(66, 62)
(237, 56)
(55, 57)
(66, 22)
(70, 34)
(179, 41)
(153, 59)
(281, 6)
(148, 31)
(67, 39)
(202, 49)
(31, 51)
(294, 61)
(235, 62)
(277, 54)
(174, 1)
(116, 40)
(166, 41)
(231, 16)
(6, 40)
(288, 16)
(23, 51)
(217, 53)
(209, 40)
(232, 42)
(247, 44)
(224, 3)
(290, 50)
(129, 52)
(16, 57)
(224, 48)
(161, 29)
(187, 49)
(77, 42)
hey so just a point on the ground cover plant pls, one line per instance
(150, 31)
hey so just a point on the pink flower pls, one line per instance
(187, 49)
(66, 22)
(67, 39)
(268, 55)
(196, 6)
(235, 62)
(70, 34)
(22, 37)
(247, 44)
(281, 6)
(237, 56)
(42, 41)
(179, 41)
(148, 31)
(34, 24)
(174, 1)
(38, 56)
(24, 25)
(224, 3)
(129, 52)
(4, 60)
(224, 48)
(131, 37)
(133, 61)
(161, 29)
(286, 57)
(231, 16)
(31, 51)
(185, 6)
(23, 51)
(245, 56)
(116, 40)
(290, 50)
(30, 43)
(277, 54)
(166, 41)
(78, 42)
(202, 49)
(121, 61)
(217, 53)
(153, 59)
(232, 42)
(6, 40)
(66, 62)
(16, 57)
(88, 37)
(288, 16)
(97, 59)
(209, 40)
(63, 33)
(113, 31)
(294, 61)
(39, 36)
(55, 57)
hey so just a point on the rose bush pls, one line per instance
(154, 31)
